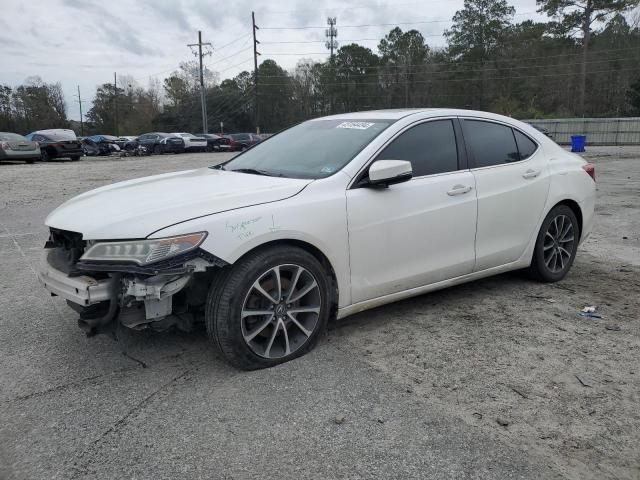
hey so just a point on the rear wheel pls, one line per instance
(157, 149)
(556, 245)
(45, 156)
(269, 308)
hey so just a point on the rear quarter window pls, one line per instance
(526, 146)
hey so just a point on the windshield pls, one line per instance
(314, 149)
(58, 134)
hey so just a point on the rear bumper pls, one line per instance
(19, 154)
(196, 146)
(167, 147)
(81, 290)
(69, 153)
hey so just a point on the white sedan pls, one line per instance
(191, 142)
(331, 217)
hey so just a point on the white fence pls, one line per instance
(599, 131)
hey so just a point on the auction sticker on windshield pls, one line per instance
(356, 125)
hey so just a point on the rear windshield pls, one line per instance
(314, 149)
(59, 134)
(11, 137)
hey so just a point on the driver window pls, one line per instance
(430, 147)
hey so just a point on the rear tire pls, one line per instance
(290, 327)
(45, 156)
(157, 150)
(556, 245)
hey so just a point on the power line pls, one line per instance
(475, 62)
(356, 83)
(392, 24)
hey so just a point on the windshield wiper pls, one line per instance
(253, 171)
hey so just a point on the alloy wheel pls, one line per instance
(281, 311)
(559, 241)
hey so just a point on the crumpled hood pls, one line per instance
(137, 208)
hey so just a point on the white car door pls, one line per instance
(418, 232)
(512, 181)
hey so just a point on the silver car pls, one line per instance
(17, 147)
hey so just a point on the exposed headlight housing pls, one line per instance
(143, 252)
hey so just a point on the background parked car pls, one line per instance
(213, 141)
(239, 141)
(57, 143)
(191, 142)
(99, 145)
(17, 147)
(543, 130)
(159, 142)
(131, 146)
(127, 142)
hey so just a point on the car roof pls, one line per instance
(399, 113)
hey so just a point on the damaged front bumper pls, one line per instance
(81, 290)
(139, 298)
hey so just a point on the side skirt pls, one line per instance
(414, 292)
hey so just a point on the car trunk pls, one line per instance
(68, 144)
(22, 145)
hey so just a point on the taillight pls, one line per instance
(6, 146)
(591, 170)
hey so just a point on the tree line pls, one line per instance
(583, 61)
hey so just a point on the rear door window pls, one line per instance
(526, 146)
(491, 143)
(430, 147)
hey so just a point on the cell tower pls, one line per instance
(331, 33)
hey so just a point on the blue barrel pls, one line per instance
(578, 142)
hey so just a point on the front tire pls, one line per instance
(556, 245)
(269, 308)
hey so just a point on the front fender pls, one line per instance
(315, 218)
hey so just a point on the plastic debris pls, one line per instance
(585, 381)
(589, 312)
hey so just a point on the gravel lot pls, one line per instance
(410, 390)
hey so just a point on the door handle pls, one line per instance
(458, 190)
(531, 174)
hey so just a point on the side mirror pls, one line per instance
(383, 173)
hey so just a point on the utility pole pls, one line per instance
(331, 33)
(203, 94)
(115, 103)
(81, 120)
(255, 72)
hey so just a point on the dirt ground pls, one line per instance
(500, 378)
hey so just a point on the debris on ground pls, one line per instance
(589, 312)
(339, 419)
(613, 327)
(585, 381)
(519, 392)
(503, 421)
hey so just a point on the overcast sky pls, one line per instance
(82, 42)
